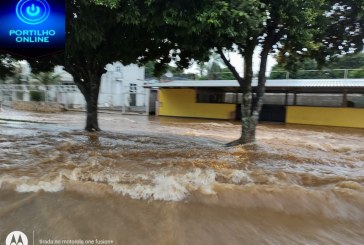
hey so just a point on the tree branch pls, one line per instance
(230, 66)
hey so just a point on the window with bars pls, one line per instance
(133, 88)
(213, 96)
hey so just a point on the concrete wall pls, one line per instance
(326, 116)
(182, 103)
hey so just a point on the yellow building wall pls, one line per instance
(326, 116)
(182, 103)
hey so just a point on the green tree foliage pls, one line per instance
(292, 28)
(7, 67)
(279, 71)
(37, 95)
(354, 63)
(17, 76)
(340, 32)
(46, 78)
(178, 73)
(351, 61)
(214, 69)
(243, 26)
(149, 70)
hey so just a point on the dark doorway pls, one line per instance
(133, 94)
(132, 99)
(273, 113)
(269, 113)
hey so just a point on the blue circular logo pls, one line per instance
(33, 12)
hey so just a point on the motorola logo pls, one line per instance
(16, 238)
(33, 12)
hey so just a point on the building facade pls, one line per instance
(122, 86)
(330, 102)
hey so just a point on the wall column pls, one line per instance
(286, 99)
(294, 98)
(345, 98)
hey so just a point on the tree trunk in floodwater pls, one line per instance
(87, 76)
(92, 120)
(252, 103)
(90, 91)
(92, 99)
(252, 106)
(249, 119)
(247, 125)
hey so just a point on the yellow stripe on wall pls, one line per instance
(326, 116)
(182, 103)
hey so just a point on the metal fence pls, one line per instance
(299, 74)
(66, 95)
(70, 97)
(318, 74)
(128, 102)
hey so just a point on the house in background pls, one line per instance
(328, 102)
(122, 86)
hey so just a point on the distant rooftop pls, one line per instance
(300, 85)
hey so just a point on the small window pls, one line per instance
(133, 88)
(212, 96)
(118, 69)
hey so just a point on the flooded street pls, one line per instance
(171, 181)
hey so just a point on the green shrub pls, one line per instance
(36, 96)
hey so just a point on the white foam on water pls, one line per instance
(170, 187)
(238, 176)
(164, 188)
(106, 177)
(202, 180)
(48, 186)
(160, 185)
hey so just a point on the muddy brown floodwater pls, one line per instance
(170, 181)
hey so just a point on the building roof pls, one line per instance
(300, 85)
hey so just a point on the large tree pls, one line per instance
(248, 26)
(293, 28)
(94, 38)
(103, 31)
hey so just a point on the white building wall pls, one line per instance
(115, 86)
(116, 82)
